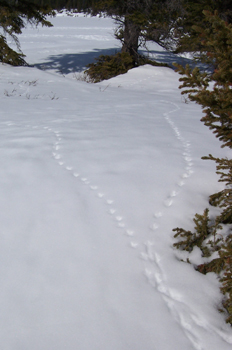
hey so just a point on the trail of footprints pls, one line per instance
(168, 202)
(152, 267)
(152, 262)
(119, 220)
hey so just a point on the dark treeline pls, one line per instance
(67, 4)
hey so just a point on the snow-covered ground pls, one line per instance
(93, 180)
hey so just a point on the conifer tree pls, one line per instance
(187, 39)
(212, 89)
(216, 102)
(14, 16)
(139, 20)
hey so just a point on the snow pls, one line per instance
(94, 178)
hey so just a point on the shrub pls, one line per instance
(109, 66)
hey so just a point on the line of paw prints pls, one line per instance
(118, 219)
(56, 154)
(186, 154)
(152, 266)
(180, 311)
(153, 270)
(153, 273)
(152, 262)
(179, 308)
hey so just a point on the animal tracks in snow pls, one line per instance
(117, 218)
(187, 168)
(153, 271)
(147, 251)
(152, 268)
(180, 311)
(111, 210)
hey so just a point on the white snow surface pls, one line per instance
(94, 177)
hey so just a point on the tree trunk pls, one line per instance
(131, 39)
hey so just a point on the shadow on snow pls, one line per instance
(71, 63)
(167, 57)
(77, 62)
